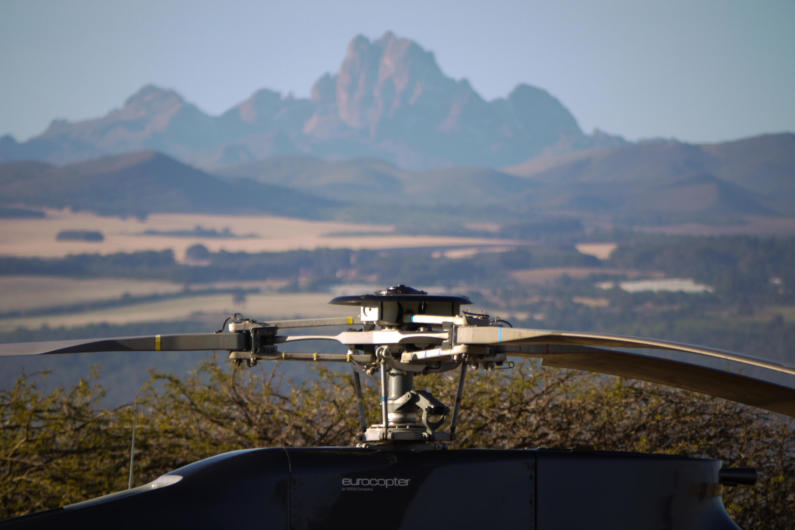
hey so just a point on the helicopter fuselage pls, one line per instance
(393, 487)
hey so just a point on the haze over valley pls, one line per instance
(391, 172)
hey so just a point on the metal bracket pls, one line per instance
(262, 340)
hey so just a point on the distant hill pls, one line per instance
(655, 183)
(354, 180)
(148, 182)
(749, 176)
(20, 171)
(377, 182)
(389, 100)
(764, 164)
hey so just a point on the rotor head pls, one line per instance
(395, 306)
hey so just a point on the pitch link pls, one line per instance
(455, 352)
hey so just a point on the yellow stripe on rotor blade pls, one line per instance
(157, 343)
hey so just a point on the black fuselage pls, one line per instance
(386, 488)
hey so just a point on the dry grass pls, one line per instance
(599, 250)
(260, 306)
(546, 275)
(469, 252)
(30, 292)
(591, 302)
(36, 237)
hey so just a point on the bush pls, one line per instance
(61, 447)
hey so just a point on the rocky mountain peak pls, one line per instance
(262, 104)
(404, 60)
(324, 91)
(377, 78)
(152, 99)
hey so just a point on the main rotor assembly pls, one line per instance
(404, 332)
(401, 332)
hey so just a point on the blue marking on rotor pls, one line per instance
(499, 335)
(383, 398)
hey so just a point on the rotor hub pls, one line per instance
(408, 415)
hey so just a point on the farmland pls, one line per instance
(37, 236)
(137, 280)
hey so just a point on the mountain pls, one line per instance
(148, 182)
(389, 100)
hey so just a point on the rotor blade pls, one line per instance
(185, 342)
(495, 336)
(756, 382)
(720, 382)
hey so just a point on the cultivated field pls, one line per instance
(598, 250)
(260, 306)
(547, 275)
(36, 237)
(22, 293)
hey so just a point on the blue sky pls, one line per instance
(699, 71)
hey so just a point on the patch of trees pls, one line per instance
(197, 252)
(198, 231)
(20, 213)
(314, 268)
(91, 236)
(731, 264)
(62, 446)
(148, 264)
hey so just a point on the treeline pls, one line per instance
(149, 264)
(732, 265)
(321, 266)
(62, 446)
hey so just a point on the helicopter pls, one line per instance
(401, 473)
